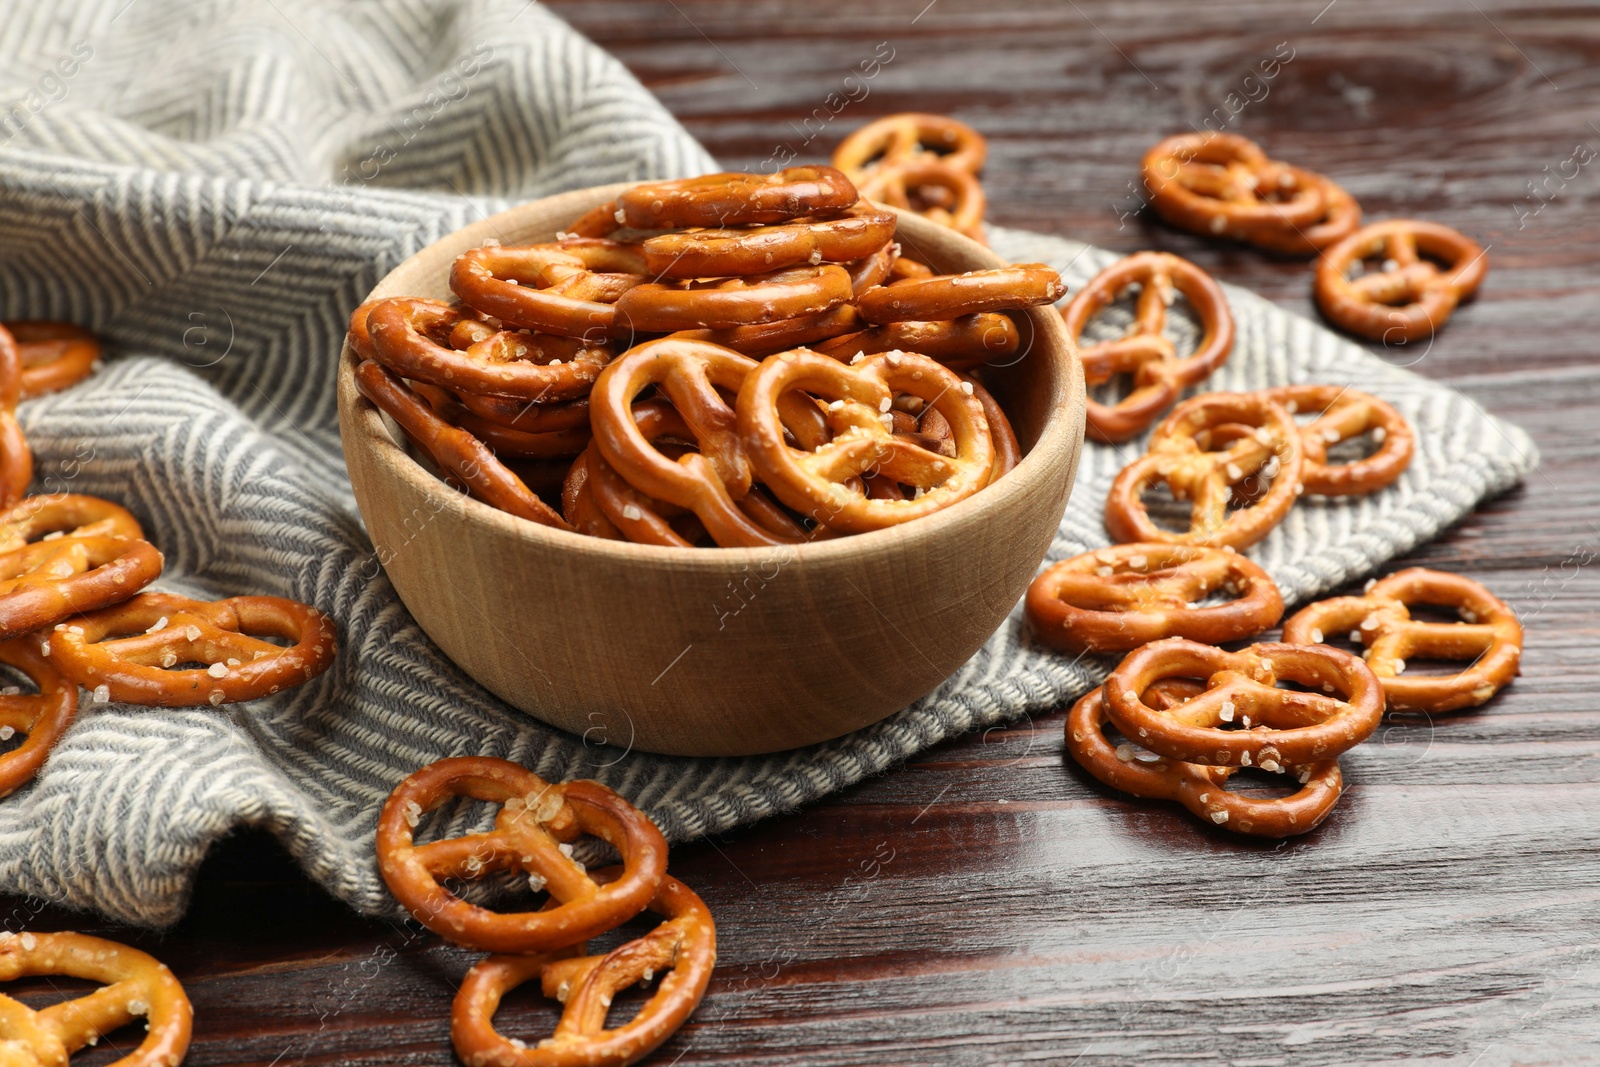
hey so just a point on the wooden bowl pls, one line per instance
(714, 651)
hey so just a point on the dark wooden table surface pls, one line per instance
(988, 903)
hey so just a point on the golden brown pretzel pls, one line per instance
(1223, 185)
(140, 651)
(1200, 788)
(413, 339)
(1272, 447)
(683, 950)
(47, 581)
(1159, 376)
(459, 454)
(507, 442)
(55, 355)
(578, 505)
(43, 716)
(960, 344)
(720, 304)
(953, 295)
(858, 398)
(1412, 296)
(132, 985)
(1488, 639)
(1343, 413)
(896, 139)
(568, 288)
(934, 188)
(533, 836)
(64, 515)
(734, 199)
(709, 482)
(1242, 719)
(1007, 450)
(16, 457)
(1116, 599)
(529, 416)
(860, 232)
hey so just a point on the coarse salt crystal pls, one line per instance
(138, 1007)
(1124, 752)
(102, 694)
(536, 882)
(1104, 572)
(1218, 224)
(1138, 562)
(217, 697)
(1219, 817)
(566, 849)
(966, 387)
(218, 670)
(1316, 636)
(835, 405)
(885, 404)
(632, 513)
(160, 624)
(7, 733)
(1379, 433)
(192, 632)
(30, 942)
(44, 648)
(1235, 471)
(1226, 714)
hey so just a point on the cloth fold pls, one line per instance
(212, 187)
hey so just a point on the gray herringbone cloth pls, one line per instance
(213, 186)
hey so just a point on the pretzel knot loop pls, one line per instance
(169, 651)
(1117, 599)
(532, 835)
(920, 162)
(823, 482)
(1242, 718)
(682, 949)
(1269, 447)
(70, 515)
(133, 985)
(43, 716)
(1410, 296)
(1342, 414)
(1200, 788)
(1488, 637)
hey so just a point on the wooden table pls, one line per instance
(988, 903)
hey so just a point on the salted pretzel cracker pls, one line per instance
(133, 985)
(457, 453)
(1223, 185)
(55, 355)
(950, 296)
(733, 199)
(41, 717)
(533, 835)
(1145, 352)
(725, 303)
(860, 232)
(413, 339)
(960, 344)
(64, 515)
(937, 190)
(1488, 639)
(1200, 788)
(1242, 718)
(683, 950)
(1411, 297)
(1343, 413)
(1270, 446)
(140, 651)
(709, 482)
(45, 582)
(858, 399)
(1117, 599)
(567, 288)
